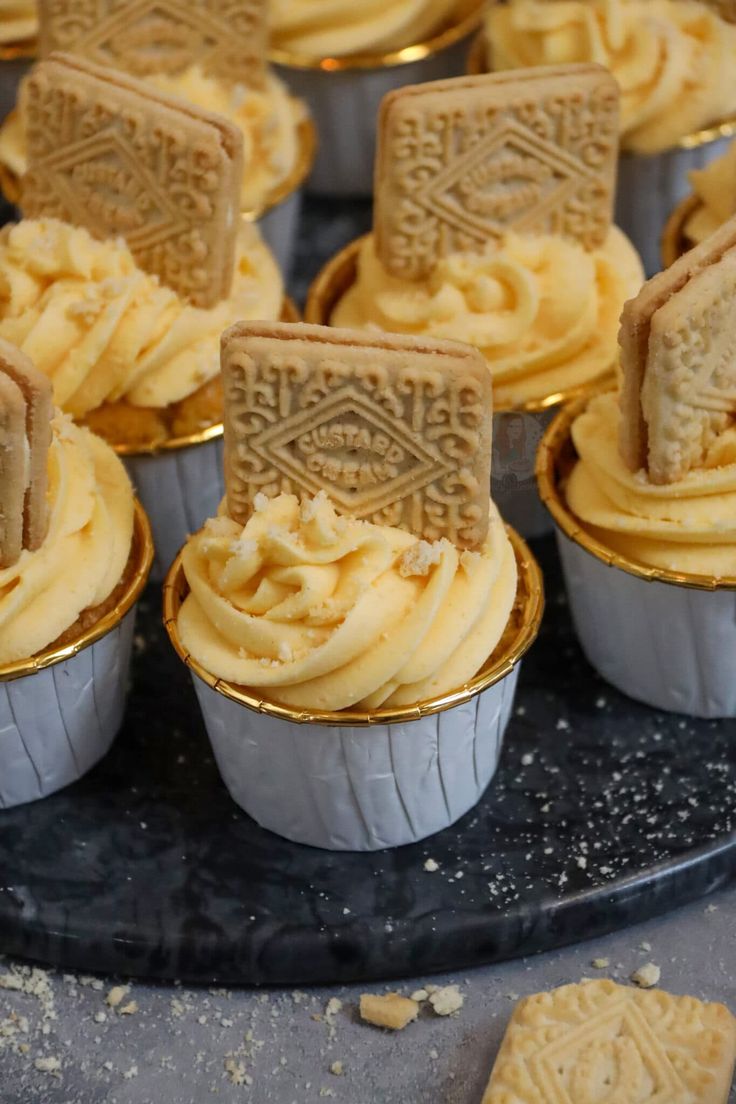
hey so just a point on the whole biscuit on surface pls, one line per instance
(462, 162)
(598, 1041)
(36, 389)
(686, 314)
(393, 429)
(110, 153)
(227, 38)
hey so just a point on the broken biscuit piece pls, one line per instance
(391, 1010)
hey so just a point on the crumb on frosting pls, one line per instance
(420, 558)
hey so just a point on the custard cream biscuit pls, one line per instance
(227, 38)
(583, 1043)
(107, 152)
(25, 435)
(661, 328)
(464, 161)
(393, 429)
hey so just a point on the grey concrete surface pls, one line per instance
(169, 1044)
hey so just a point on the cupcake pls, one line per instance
(127, 335)
(711, 203)
(483, 234)
(342, 62)
(675, 61)
(18, 30)
(643, 491)
(278, 134)
(355, 649)
(75, 550)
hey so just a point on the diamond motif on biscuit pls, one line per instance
(508, 182)
(140, 210)
(383, 462)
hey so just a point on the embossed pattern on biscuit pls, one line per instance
(107, 153)
(394, 429)
(461, 162)
(688, 394)
(228, 38)
(602, 1043)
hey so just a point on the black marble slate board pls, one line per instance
(603, 813)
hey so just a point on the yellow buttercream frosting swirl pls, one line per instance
(18, 21)
(85, 552)
(542, 310)
(103, 330)
(687, 526)
(332, 28)
(318, 611)
(715, 187)
(675, 60)
(269, 119)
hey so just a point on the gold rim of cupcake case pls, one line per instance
(519, 636)
(306, 132)
(17, 51)
(338, 275)
(555, 456)
(143, 553)
(726, 128)
(292, 59)
(674, 242)
(478, 54)
(289, 313)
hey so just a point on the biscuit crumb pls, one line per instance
(419, 558)
(601, 963)
(431, 866)
(447, 1000)
(235, 1071)
(391, 1010)
(129, 1009)
(47, 1065)
(337, 1068)
(116, 995)
(647, 976)
(420, 995)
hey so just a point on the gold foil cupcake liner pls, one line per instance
(520, 633)
(449, 36)
(555, 460)
(10, 182)
(16, 51)
(674, 240)
(289, 313)
(142, 549)
(338, 276)
(478, 55)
